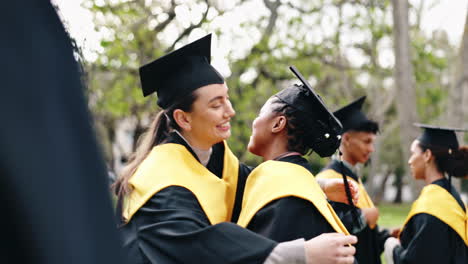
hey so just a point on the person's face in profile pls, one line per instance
(209, 120)
(416, 160)
(261, 129)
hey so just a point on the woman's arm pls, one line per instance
(425, 239)
(172, 228)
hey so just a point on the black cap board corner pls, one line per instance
(439, 136)
(180, 72)
(317, 96)
(326, 133)
(351, 115)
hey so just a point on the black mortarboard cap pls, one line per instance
(439, 136)
(351, 115)
(180, 72)
(327, 127)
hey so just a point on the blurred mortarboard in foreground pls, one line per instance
(180, 72)
(305, 99)
(351, 115)
(439, 136)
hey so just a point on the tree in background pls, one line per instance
(457, 103)
(345, 48)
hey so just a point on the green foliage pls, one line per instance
(331, 47)
(430, 69)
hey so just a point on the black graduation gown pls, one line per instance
(290, 218)
(371, 242)
(172, 227)
(55, 199)
(426, 239)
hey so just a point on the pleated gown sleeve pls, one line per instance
(172, 228)
(428, 240)
(291, 217)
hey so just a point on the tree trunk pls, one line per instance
(458, 93)
(403, 72)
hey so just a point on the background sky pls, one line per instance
(448, 15)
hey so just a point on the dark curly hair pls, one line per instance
(454, 162)
(305, 134)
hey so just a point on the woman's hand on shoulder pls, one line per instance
(330, 248)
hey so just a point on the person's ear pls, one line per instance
(183, 119)
(345, 137)
(279, 124)
(427, 155)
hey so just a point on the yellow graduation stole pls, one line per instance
(274, 180)
(364, 200)
(173, 165)
(438, 202)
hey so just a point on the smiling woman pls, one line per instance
(183, 186)
(178, 191)
(208, 122)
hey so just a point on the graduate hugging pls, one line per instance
(183, 191)
(282, 199)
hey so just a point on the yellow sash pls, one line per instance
(173, 165)
(273, 180)
(438, 202)
(364, 200)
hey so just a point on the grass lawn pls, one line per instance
(392, 215)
